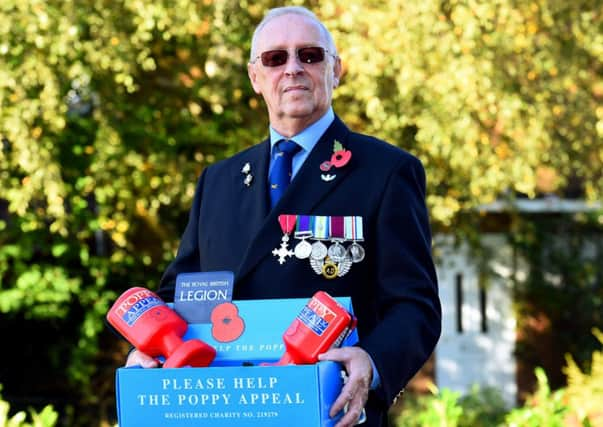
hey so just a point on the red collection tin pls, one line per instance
(152, 327)
(322, 324)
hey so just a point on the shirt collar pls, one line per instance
(307, 138)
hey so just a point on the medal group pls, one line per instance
(322, 241)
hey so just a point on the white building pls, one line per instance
(479, 325)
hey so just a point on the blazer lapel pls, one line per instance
(252, 201)
(311, 185)
(305, 191)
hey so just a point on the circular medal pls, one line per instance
(356, 252)
(336, 252)
(319, 250)
(303, 249)
(329, 269)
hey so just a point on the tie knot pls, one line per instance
(288, 146)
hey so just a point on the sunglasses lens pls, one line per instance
(274, 58)
(311, 55)
(306, 55)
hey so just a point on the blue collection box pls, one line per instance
(235, 390)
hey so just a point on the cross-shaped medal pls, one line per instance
(287, 223)
(283, 251)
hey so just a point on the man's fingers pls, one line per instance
(352, 414)
(344, 398)
(354, 393)
(138, 358)
(352, 398)
(336, 355)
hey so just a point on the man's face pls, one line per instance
(294, 92)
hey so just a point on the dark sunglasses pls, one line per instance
(278, 57)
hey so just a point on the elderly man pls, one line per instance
(352, 207)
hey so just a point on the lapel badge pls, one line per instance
(246, 171)
(325, 166)
(340, 156)
(329, 268)
(339, 159)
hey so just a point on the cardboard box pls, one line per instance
(231, 392)
(251, 396)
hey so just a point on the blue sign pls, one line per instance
(295, 396)
(197, 294)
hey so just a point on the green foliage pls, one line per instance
(441, 409)
(482, 407)
(47, 417)
(563, 257)
(108, 114)
(577, 404)
(585, 390)
(545, 408)
(485, 408)
(483, 92)
(445, 408)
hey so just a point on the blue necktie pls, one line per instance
(280, 175)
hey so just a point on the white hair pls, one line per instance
(291, 10)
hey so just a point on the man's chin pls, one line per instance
(300, 110)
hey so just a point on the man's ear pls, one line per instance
(337, 70)
(253, 76)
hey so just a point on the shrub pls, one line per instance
(440, 409)
(47, 417)
(543, 409)
(446, 408)
(585, 390)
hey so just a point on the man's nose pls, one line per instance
(293, 65)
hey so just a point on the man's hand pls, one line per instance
(139, 358)
(358, 365)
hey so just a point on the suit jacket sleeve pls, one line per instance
(407, 295)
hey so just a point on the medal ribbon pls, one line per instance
(303, 226)
(358, 228)
(337, 227)
(321, 227)
(287, 223)
(350, 229)
(353, 228)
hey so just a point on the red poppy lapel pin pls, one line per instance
(339, 159)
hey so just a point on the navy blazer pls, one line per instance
(393, 290)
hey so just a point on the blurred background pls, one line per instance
(110, 109)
